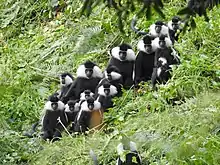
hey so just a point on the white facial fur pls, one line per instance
(164, 30)
(97, 72)
(113, 91)
(84, 106)
(115, 75)
(130, 54)
(155, 42)
(82, 95)
(81, 71)
(48, 107)
(76, 108)
(141, 47)
(68, 80)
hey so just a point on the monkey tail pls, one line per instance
(33, 130)
(94, 157)
(133, 26)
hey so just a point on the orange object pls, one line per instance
(96, 120)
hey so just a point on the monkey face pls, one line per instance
(71, 107)
(54, 105)
(87, 96)
(175, 26)
(106, 91)
(109, 76)
(162, 44)
(89, 72)
(122, 55)
(91, 106)
(158, 28)
(148, 48)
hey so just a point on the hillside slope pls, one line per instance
(36, 46)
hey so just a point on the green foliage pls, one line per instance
(39, 40)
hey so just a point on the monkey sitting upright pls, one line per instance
(161, 73)
(105, 94)
(53, 115)
(89, 116)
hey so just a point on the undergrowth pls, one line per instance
(41, 39)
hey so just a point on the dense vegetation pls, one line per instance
(37, 43)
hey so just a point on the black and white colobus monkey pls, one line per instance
(161, 73)
(164, 49)
(123, 58)
(88, 77)
(90, 115)
(114, 77)
(105, 94)
(66, 80)
(158, 28)
(53, 111)
(131, 157)
(144, 62)
(86, 94)
(71, 110)
(174, 25)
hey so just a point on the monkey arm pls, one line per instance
(70, 92)
(138, 68)
(154, 78)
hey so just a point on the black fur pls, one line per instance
(164, 75)
(173, 33)
(106, 100)
(82, 83)
(165, 52)
(51, 128)
(144, 63)
(126, 67)
(129, 159)
(64, 88)
(116, 82)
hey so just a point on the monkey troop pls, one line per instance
(81, 103)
